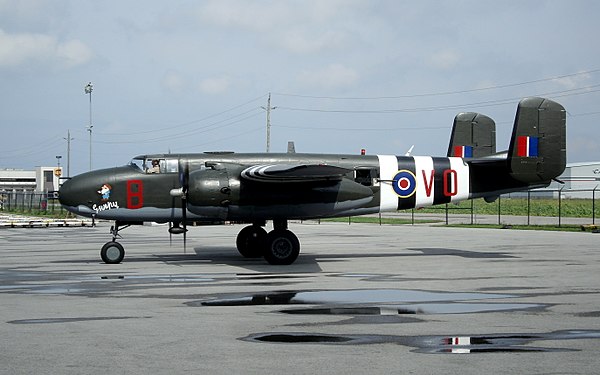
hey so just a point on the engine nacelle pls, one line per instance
(211, 188)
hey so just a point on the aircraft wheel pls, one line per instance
(112, 252)
(283, 247)
(252, 241)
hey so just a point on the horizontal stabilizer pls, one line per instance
(473, 136)
(294, 173)
(537, 151)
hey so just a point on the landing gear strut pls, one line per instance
(113, 252)
(279, 247)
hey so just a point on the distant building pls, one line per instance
(39, 180)
(579, 181)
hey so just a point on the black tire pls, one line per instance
(112, 252)
(283, 247)
(252, 241)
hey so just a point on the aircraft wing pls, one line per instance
(286, 173)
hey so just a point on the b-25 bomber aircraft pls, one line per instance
(256, 188)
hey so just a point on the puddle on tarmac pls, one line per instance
(494, 343)
(427, 308)
(376, 302)
(352, 296)
(71, 320)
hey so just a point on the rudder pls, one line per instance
(473, 136)
(537, 151)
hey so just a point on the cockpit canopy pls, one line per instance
(156, 163)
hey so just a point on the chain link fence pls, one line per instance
(554, 207)
(30, 202)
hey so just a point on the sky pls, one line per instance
(343, 75)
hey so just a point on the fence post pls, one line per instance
(594, 205)
(446, 213)
(499, 199)
(560, 205)
(472, 207)
(528, 206)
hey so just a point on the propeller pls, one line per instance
(181, 192)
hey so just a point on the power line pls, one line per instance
(187, 123)
(442, 93)
(488, 103)
(205, 129)
(362, 129)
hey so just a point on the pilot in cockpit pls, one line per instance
(155, 167)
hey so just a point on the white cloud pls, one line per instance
(174, 82)
(445, 59)
(253, 16)
(299, 27)
(301, 42)
(18, 49)
(574, 81)
(73, 53)
(215, 85)
(331, 77)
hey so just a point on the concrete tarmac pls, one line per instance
(360, 298)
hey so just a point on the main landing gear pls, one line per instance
(279, 247)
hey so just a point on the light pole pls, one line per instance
(268, 109)
(88, 90)
(58, 161)
(69, 139)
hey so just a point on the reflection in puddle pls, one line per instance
(70, 320)
(376, 302)
(438, 344)
(352, 296)
(429, 308)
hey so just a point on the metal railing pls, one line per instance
(554, 207)
(30, 202)
(558, 208)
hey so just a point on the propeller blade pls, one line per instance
(184, 175)
(184, 221)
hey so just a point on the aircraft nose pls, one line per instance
(65, 193)
(77, 192)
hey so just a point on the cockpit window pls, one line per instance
(155, 164)
(172, 166)
(161, 165)
(137, 163)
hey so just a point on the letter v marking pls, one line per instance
(428, 185)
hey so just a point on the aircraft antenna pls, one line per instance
(268, 109)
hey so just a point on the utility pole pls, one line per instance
(88, 90)
(69, 139)
(268, 109)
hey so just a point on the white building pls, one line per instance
(39, 180)
(580, 179)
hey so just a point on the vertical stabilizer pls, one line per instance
(473, 136)
(537, 149)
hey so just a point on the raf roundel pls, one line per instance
(404, 183)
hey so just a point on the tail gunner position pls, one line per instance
(254, 188)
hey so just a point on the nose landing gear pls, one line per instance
(113, 252)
